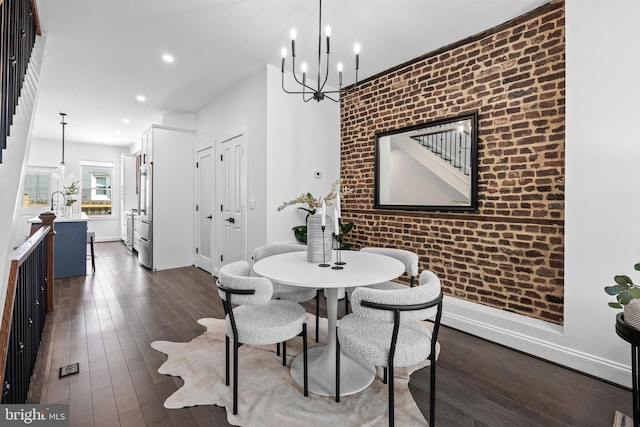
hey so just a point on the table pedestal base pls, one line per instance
(355, 376)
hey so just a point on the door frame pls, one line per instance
(224, 137)
(198, 213)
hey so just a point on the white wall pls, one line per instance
(602, 173)
(48, 153)
(301, 138)
(286, 140)
(242, 107)
(602, 230)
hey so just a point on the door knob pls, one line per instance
(210, 217)
(231, 220)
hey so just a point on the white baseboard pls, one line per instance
(531, 336)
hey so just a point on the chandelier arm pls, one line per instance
(326, 76)
(293, 71)
(285, 90)
(329, 97)
(349, 88)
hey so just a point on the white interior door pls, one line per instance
(204, 212)
(233, 197)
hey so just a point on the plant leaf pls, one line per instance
(622, 280)
(612, 290)
(637, 266)
(624, 298)
(634, 293)
(347, 227)
(614, 305)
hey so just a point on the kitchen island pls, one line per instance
(70, 244)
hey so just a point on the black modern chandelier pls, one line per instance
(317, 93)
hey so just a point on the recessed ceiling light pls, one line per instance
(141, 98)
(125, 120)
(167, 58)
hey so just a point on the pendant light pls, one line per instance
(62, 172)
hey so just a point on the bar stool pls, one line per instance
(91, 236)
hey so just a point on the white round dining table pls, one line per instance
(361, 269)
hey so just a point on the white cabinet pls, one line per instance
(170, 154)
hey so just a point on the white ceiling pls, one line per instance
(101, 54)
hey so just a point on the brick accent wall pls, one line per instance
(510, 253)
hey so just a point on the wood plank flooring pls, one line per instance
(106, 321)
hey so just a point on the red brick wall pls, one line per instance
(510, 253)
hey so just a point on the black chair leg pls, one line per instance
(304, 359)
(278, 349)
(337, 367)
(346, 302)
(226, 358)
(284, 353)
(432, 391)
(391, 400)
(93, 257)
(235, 378)
(384, 375)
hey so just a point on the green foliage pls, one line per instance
(300, 231)
(624, 290)
(71, 190)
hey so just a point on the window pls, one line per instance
(36, 189)
(97, 184)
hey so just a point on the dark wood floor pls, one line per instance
(106, 322)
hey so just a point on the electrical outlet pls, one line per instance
(317, 174)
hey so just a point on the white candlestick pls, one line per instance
(337, 224)
(338, 205)
(323, 213)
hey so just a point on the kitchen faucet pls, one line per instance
(63, 196)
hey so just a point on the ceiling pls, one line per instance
(101, 54)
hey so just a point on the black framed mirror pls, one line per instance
(430, 166)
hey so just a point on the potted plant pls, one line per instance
(312, 205)
(627, 297)
(70, 191)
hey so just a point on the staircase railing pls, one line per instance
(29, 298)
(19, 20)
(451, 145)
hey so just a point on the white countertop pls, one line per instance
(78, 217)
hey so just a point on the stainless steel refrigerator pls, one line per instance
(143, 225)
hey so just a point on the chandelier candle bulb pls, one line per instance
(293, 42)
(284, 56)
(327, 32)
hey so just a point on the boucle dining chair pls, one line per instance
(256, 319)
(297, 294)
(408, 258)
(386, 329)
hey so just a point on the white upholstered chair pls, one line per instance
(386, 329)
(252, 317)
(288, 292)
(408, 258)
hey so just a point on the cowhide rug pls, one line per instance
(267, 396)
